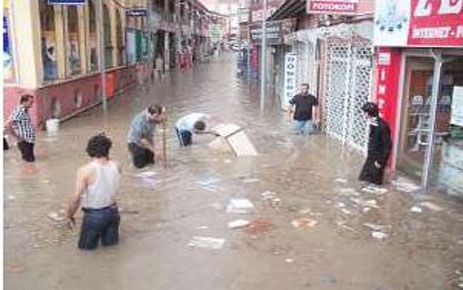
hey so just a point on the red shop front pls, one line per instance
(419, 87)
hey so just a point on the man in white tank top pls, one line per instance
(96, 187)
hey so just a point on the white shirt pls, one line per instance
(101, 193)
(186, 123)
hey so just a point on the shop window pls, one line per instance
(93, 65)
(120, 40)
(48, 40)
(108, 48)
(73, 45)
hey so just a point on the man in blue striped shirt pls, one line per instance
(20, 125)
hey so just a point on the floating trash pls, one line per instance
(147, 174)
(238, 224)
(250, 180)
(416, 209)
(207, 243)
(379, 235)
(289, 260)
(431, 206)
(376, 227)
(340, 180)
(304, 223)
(240, 206)
(374, 190)
(259, 225)
(55, 217)
(405, 185)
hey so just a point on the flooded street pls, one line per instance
(312, 226)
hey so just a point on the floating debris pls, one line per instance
(55, 217)
(227, 161)
(240, 206)
(202, 227)
(147, 174)
(271, 198)
(340, 180)
(349, 191)
(208, 181)
(345, 211)
(431, 206)
(379, 235)
(45, 181)
(238, 224)
(206, 242)
(365, 203)
(289, 260)
(11, 197)
(250, 180)
(374, 190)
(304, 223)
(376, 227)
(416, 209)
(405, 185)
(260, 225)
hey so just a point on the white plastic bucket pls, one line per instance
(52, 126)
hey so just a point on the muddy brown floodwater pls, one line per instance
(311, 179)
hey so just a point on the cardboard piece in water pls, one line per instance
(232, 137)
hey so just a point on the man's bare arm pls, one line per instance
(74, 201)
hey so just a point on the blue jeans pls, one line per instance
(99, 224)
(304, 127)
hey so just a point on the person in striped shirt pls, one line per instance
(20, 125)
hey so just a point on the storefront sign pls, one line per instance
(67, 2)
(388, 68)
(136, 12)
(437, 23)
(290, 78)
(243, 15)
(332, 6)
(275, 32)
(457, 107)
(258, 15)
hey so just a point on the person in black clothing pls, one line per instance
(304, 104)
(379, 146)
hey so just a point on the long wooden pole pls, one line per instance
(164, 139)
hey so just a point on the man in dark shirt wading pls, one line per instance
(379, 146)
(304, 104)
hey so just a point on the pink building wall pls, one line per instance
(65, 92)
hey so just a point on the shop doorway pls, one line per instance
(427, 120)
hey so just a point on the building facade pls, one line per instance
(419, 87)
(58, 53)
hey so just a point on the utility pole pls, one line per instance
(263, 70)
(103, 60)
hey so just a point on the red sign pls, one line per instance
(332, 6)
(387, 86)
(428, 23)
(436, 22)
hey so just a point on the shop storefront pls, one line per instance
(420, 88)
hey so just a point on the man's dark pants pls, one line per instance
(27, 151)
(99, 224)
(141, 156)
(185, 138)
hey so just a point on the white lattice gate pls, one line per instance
(347, 86)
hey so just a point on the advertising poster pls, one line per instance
(419, 23)
(457, 107)
(289, 79)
